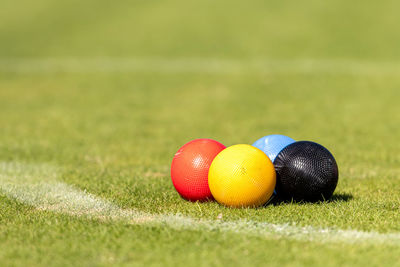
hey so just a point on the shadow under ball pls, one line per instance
(306, 171)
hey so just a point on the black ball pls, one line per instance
(306, 171)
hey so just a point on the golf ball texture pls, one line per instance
(273, 144)
(306, 171)
(190, 166)
(242, 176)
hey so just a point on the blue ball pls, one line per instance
(273, 144)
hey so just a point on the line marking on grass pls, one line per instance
(37, 185)
(197, 65)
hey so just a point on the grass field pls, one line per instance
(96, 97)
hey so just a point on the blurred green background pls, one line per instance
(222, 29)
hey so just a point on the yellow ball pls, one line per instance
(242, 176)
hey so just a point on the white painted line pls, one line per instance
(37, 185)
(197, 65)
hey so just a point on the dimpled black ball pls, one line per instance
(306, 171)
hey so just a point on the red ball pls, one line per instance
(189, 169)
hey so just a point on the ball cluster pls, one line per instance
(248, 176)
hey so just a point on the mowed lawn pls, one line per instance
(99, 96)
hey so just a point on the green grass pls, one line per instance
(114, 133)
